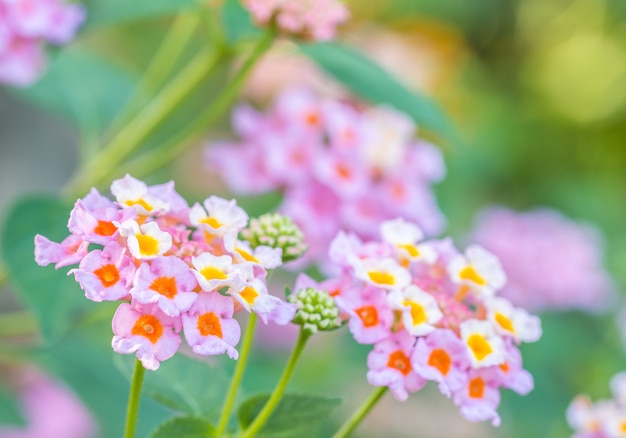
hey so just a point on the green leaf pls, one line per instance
(238, 24)
(84, 361)
(83, 87)
(370, 81)
(55, 300)
(294, 415)
(105, 12)
(183, 384)
(184, 427)
(10, 412)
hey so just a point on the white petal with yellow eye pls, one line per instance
(484, 347)
(385, 273)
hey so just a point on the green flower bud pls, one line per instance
(276, 231)
(317, 311)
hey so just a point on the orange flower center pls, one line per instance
(149, 327)
(165, 286)
(209, 325)
(399, 361)
(476, 388)
(440, 359)
(108, 275)
(105, 228)
(368, 314)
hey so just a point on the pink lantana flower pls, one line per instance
(97, 225)
(308, 19)
(420, 310)
(513, 322)
(218, 216)
(390, 365)
(167, 281)
(105, 275)
(510, 373)
(146, 331)
(131, 192)
(441, 357)
(215, 272)
(254, 297)
(209, 326)
(145, 241)
(371, 316)
(479, 398)
(483, 345)
(69, 252)
(478, 270)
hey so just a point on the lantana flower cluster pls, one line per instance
(175, 268)
(552, 262)
(602, 419)
(340, 168)
(432, 313)
(306, 19)
(25, 25)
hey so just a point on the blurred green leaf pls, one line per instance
(296, 415)
(83, 360)
(183, 384)
(83, 87)
(370, 81)
(10, 412)
(238, 24)
(55, 299)
(184, 427)
(101, 12)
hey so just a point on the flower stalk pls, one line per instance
(276, 396)
(133, 400)
(361, 412)
(238, 375)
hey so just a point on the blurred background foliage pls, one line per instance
(536, 91)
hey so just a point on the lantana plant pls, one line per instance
(429, 311)
(174, 280)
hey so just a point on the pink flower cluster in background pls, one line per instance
(552, 263)
(307, 19)
(50, 410)
(339, 167)
(25, 25)
(174, 267)
(432, 313)
(602, 419)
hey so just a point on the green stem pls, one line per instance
(239, 369)
(133, 400)
(179, 143)
(130, 137)
(274, 399)
(360, 413)
(161, 65)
